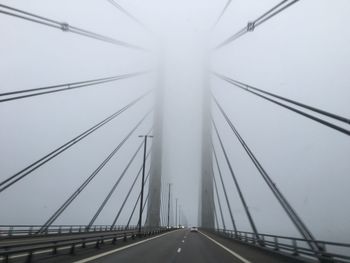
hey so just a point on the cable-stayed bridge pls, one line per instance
(146, 225)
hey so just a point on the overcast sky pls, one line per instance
(302, 53)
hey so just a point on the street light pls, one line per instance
(176, 214)
(169, 205)
(143, 176)
(180, 215)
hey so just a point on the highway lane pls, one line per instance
(185, 246)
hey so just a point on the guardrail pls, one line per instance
(7, 231)
(71, 242)
(292, 246)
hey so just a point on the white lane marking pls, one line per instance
(183, 241)
(119, 249)
(227, 249)
(179, 250)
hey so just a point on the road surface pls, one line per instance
(185, 246)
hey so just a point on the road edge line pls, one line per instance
(119, 249)
(227, 249)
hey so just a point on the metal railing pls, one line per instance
(11, 231)
(331, 251)
(70, 242)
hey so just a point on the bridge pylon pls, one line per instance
(206, 216)
(155, 179)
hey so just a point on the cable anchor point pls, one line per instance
(250, 26)
(65, 27)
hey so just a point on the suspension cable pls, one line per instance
(245, 206)
(213, 206)
(63, 87)
(143, 207)
(65, 27)
(136, 203)
(314, 118)
(35, 165)
(103, 204)
(218, 198)
(304, 231)
(128, 14)
(222, 13)
(89, 179)
(163, 203)
(305, 106)
(161, 215)
(224, 188)
(129, 192)
(257, 22)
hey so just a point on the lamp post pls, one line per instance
(179, 215)
(176, 214)
(143, 176)
(169, 206)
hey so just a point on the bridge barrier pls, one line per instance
(29, 245)
(12, 231)
(291, 246)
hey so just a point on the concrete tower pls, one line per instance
(155, 179)
(207, 197)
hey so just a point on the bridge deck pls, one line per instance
(177, 246)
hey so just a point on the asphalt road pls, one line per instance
(185, 246)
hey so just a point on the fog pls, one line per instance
(302, 53)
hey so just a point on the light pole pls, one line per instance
(143, 176)
(176, 213)
(179, 215)
(169, 205)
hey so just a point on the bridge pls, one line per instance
(129, 204)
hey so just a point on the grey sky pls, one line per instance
(303, 53)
